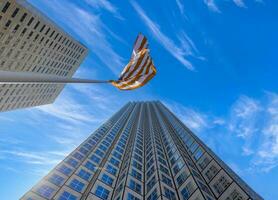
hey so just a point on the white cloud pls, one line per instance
(189, 46)
(176, 51)
(268, 151)
(247, 151)
(251, 125)
(180, 6)
(256, 123)
(90, 27)
(195, 120)
(219, 121)
(31, 157)
(243, 117)
(106, 5)
(240, 3)
(212, 5)
(67, 109)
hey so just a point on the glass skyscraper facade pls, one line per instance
(143, 152)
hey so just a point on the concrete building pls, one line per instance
(30, 42)
(143, 152)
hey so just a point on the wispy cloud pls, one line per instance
(212, 5)
(89, 26)
(195, 120)
(189, 46)
(106, 5)
(256, 122)
(176, 51)
(240, 3)
(33, 158)
(180, 6)
(244, 113)
(68, 109)
(268, 151)
(250, 123)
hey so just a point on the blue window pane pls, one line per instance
(65, 170)
(114, 162)
(84, 174)
(67, 196)
(90, 166)
(111, 170)
(45, 191)
(95, 159)
(72, 162)
(135, 186)
(77, 185)
(56, 179)
(107, 179)
(101, 192)
(131, 197)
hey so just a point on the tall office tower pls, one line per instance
(143, 152)
(30, 42)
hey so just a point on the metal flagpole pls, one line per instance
(7, 77)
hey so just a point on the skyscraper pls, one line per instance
(142, 152)
(30, 42)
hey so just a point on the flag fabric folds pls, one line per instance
(140, 68)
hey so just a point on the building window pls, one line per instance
(65, 170)
(67, 196)
(166, 180)
(210, 173)
(221, 185)
(84, 174)
(235, 195)
(90, 166)
(112, 170)
(187, 191)
(153, 195)
(23, 17)
(99, 153)
(45, 191)
(72, 162)
(131, 197)
(135, 186)
(78, 156)
(15, 12)
(181, 178)
(107, 179)
(114, 162)
(5, 8)
(204, 162)
(76, 185)
(30, 21)
(198, 154)
(83, 150)
(151, 183)
(136, 174)
(56, 179)
(169, 194)
(101, 192)
(95, 159)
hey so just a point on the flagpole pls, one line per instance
(7, 77)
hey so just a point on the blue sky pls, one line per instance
(217, 69)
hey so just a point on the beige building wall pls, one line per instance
(30, 42)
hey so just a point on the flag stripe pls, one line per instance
(140, 68)
(146, 79)
(138, 65)
(135, 64)
(133, 80)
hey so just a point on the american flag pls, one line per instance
(140, 68)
